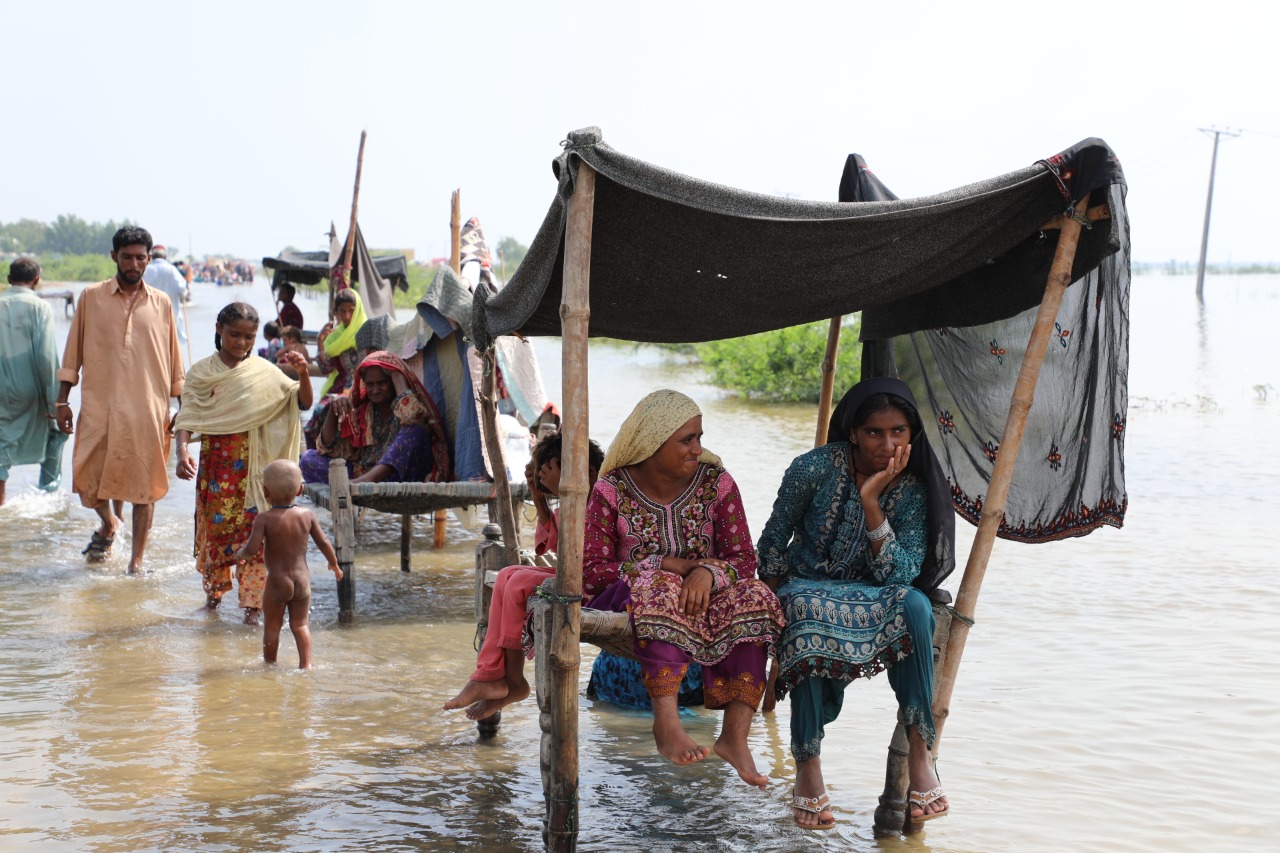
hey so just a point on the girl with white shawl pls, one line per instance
(245, 410)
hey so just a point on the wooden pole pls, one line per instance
(1002, 474)
(828, 380)
(493, 443)
(575, 315)
(441, 517)
(1208, 206)
(333, 235)
(343, 511)
(355, 203)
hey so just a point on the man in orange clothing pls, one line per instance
(124, 341)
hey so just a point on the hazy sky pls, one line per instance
(233, 126)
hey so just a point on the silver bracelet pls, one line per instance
(880, 532)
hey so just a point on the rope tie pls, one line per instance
(957, 615)
(558, 598)
(1080, 217)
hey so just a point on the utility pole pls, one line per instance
(1208, 205)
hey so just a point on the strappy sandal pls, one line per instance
(99, 548)
(924, 799)
(813, 805)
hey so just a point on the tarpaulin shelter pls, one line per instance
(311, 268)
(633, 251)
(377, 277)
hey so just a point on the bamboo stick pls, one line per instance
(493, 444)
(1002, 474)
(440, 518)
(355, 202)
(828, 380)
(575, 315)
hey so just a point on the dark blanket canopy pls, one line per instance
(676, 259)
(948, 287)
(313, 268)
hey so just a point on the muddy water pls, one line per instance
(1118, 692)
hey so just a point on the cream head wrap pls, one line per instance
(255, 397)
(650, 424)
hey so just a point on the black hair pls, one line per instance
(291, 333)
(131, 235)
(284, 285)
(879, 403)
(231, 313)
(549, 447)
(271, 330)
(23, 271)
(346, 294)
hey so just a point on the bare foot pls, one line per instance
(135, 568)
(739, 755)
(675, 744)
(211, 603)
(251, 615)
(475, 692)
(489, 707)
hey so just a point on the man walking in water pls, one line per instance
(125, 342)
(28, 380)
(164, 277)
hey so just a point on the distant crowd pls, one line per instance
(217, 271)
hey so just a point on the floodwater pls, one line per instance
(1118, 693)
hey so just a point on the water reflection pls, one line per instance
(1099, 670)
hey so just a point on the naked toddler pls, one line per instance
(284, 528)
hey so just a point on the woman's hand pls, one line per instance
(340, 406)
(186, 464)
(695, 592)
(873, 487)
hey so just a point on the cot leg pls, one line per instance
(892, 816)
(489, 558)
(406, 539)
(344, 538)
(441, 521)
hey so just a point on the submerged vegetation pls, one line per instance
(783, 366)
(76, 268)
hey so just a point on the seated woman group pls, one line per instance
(862, 527)
(388, 429)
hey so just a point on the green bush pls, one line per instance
(76, 268)
(783, 366)
(420, 278)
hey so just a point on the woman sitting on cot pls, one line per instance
(667, 541)
(389, 429)
(499, 677)
(861, 529)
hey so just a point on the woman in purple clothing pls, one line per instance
(388, 429)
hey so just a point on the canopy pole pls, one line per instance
(493, 443)
(828, 381)
(441, 518)
(575, 315)
(1001, 475)
(355, 202)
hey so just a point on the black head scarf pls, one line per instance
(940, 559)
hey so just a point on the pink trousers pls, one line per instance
(506, 618)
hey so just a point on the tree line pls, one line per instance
(66, 235)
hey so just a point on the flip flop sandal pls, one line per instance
(813, 805)
(924, 799)
(99, 548)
